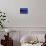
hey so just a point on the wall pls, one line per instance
(35, 18)
(34, 21)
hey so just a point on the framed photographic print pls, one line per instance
(23, 10)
